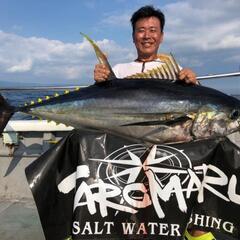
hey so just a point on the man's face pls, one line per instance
(147, 36)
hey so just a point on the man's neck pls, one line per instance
(146, 58)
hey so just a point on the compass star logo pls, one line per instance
(131, 178)
(130, 164)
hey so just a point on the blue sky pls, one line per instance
(40, 40)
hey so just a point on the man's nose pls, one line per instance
(147, 34)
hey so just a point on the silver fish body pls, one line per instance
(146, 110)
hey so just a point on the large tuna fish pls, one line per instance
(144, 109)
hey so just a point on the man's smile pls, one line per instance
(147, 44)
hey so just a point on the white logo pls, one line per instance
(130, 164)
(135, 177)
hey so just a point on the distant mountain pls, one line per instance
(6, 84)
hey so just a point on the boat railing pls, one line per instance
(19, 133)
(35, 126)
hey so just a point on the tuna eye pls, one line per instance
(234, 115)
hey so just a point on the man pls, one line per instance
(148, 24)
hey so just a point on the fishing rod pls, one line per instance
(206, 77)
(223, 75)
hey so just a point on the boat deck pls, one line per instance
(19, 220)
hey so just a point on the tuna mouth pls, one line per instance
(209, 125)
(235, 126)
(219, 126)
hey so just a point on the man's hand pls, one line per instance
(101, 73)
(188, 76)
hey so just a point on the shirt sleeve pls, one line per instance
(116, 70)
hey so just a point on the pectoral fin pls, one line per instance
(167, 121)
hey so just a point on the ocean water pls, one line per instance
(20, 97)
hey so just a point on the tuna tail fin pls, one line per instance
(6, 111)
(100, 56)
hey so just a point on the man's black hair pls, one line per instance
(148, 11)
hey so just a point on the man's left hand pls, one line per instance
(188, 76)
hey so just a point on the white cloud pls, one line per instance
(44, 58)
(203, 25)
(23, 66)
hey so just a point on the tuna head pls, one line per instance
(211, 122)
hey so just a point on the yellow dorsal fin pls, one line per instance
(163, 56)
(39, 100)
(66, 91)
(32, 103)
(171, 62)
(168, 70)
(100, 56)
(56, 94)
(47, 97)
(77, 88)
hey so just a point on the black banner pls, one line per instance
(93, 185)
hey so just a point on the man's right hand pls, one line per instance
(101, 73)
